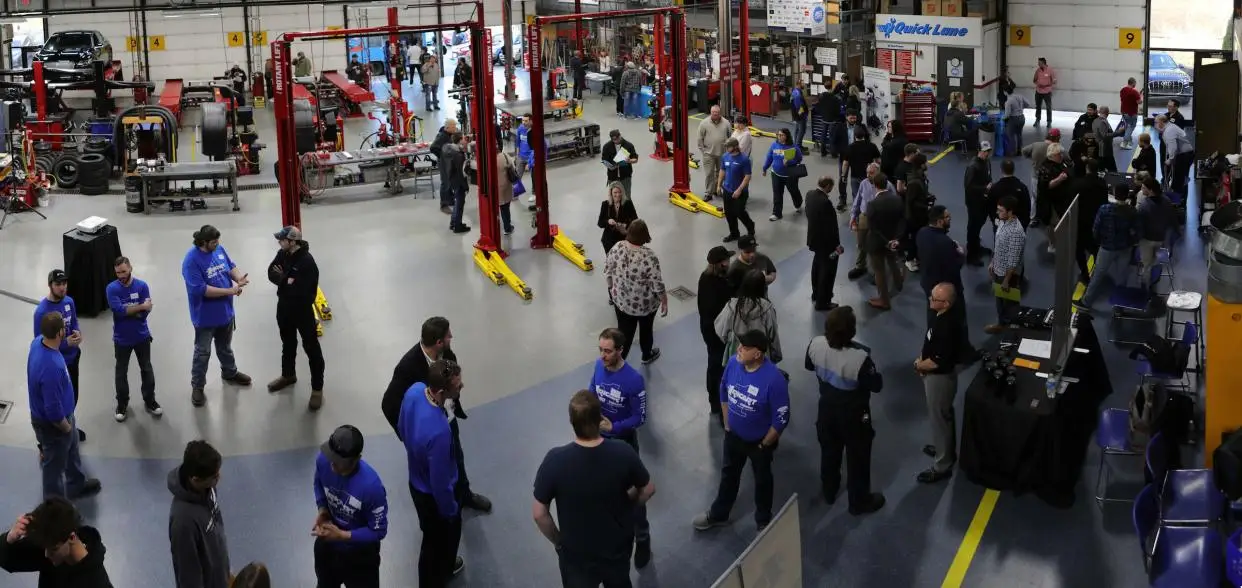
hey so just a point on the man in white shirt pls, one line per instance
(1178, 152)
(412, 54)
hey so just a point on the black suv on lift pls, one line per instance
(74, 50)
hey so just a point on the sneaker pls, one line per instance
(479, 502)
(774, 218)
(642, 554)
(81, 436)
(316, 400)
(912, 265)
(197, 398)
(704, 522)
(446, 209)
(458, 565)
(122, 412)
(90, 487)
(239, 379)
(508, 230)
(929, 451)
(731, 238)
(655, 354)
(281, 383)
(154, 409)
(462, 229)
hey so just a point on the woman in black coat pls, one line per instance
(615, 215)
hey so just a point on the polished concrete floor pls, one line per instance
(388, 263)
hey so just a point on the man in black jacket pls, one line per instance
(715, 291)
(453, 179)
(886, 218)
(195, 526)
(823, 238)
(619, 171)
(1010, 185)
(296, 277)
(52, 542)
(977, 182)
(437, 149)
(918, 200)
(434, 344)
(1084, 123)
(940, 262)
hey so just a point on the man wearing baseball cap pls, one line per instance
(353, 513)
(296, 277)
(58, 300)
(748, 258)
(714, 295)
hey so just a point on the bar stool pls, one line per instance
(1182, 301)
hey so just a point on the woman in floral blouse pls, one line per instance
(636, 288)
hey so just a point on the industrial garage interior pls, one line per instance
(131, 125)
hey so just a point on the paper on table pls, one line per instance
(1035, 348)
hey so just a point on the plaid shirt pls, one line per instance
(1007, 252)
(1116, 227)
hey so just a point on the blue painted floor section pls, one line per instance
(269, 508)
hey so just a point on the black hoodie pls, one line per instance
(88, 573)
(200, 551)
(300, 267)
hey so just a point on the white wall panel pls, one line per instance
(324, 55)
(196, 46)
(1079, 39)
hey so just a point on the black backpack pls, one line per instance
(1164, 356)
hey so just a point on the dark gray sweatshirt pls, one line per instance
(200, 552)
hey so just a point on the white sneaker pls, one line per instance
(530, 199)
(122, 412)
(912, 265)
(798, 210)
(774, 218)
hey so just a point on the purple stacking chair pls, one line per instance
(1187, 497)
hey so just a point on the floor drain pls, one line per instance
(5, 407)
(681, 293)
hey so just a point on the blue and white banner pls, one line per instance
(798, 16)
(929, 30)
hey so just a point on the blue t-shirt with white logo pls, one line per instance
(199, 270)
(357, 503)
(757, 400)
(128, 330)
(736, 166)
(68, 309)
(622, 397)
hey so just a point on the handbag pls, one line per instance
(796, 171)
(511, 170)
(519, 188)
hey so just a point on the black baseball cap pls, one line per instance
(755, 339)
(344, 445)
(718, 254)
(747, 243)
(57, 276)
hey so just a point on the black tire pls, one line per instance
(66, 172)
(93, 173)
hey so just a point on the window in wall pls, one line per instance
(26, 33)
(1201, 24)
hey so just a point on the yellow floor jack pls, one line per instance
(571, 250)
(323, 312)
(758, 132)
(494, 267)
(693, 203)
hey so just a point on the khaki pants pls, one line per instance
(711, 171)
(860, 238)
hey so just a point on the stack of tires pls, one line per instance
(93, 171)
(65, 171)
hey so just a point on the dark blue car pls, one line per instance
(1166, 80)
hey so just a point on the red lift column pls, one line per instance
(680, 194)
(288, 165)
(398, 112)
(578, 27)
(743, 73)
(660, 152)
(485, 144)
(538, 167)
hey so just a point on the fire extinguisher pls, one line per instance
(140, 94)
(258, 85)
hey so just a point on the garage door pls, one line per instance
(195, 43)
(324, 55)
(1081, 41)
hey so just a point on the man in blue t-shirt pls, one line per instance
(757, 399)
(50, 396)
(733, 185)
(622, 394)
(58, 300)
(353, 513)
(799, 109)
(130, 301)
(211, 282)
(423, 427)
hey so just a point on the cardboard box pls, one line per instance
(952, 8)
(931, 7)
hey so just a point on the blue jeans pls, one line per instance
(1131, 121)
(431, 95)
(459, 202)
(1013, 133)
(631, 104)
(799, 132)
(1109, 266)
(62, 464)
(203, 336)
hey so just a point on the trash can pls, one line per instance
(133, 194)
(987, 132)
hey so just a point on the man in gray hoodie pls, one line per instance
(195, 526)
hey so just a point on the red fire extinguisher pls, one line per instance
(140, 94)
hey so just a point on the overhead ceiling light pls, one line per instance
(196, 13)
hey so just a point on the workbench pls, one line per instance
(604, 80)
(161, 185)
(571, 138)
(510, 113)
(366, 166)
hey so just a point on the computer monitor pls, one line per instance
(1065, 282)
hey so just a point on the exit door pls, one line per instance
(955, 72)
(1216, 92)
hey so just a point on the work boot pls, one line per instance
(281, 383)
(197, 398)
(239, 379)
(316, 400)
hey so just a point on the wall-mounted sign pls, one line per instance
(903, 63)
(930, 30)
(884, 59)
(258, 38)
(235, 39)
(1020, 35)
(155, 43)
(1130, 39)
(133, 44)
(798, 16)
(826, 56)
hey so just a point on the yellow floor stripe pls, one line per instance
(970, 543)
(939, 156)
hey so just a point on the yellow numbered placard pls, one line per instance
(133, 44)
(1019, 35)
(1130, 39)
(235, 39)
(258, 38)
(155, 43)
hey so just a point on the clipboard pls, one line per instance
(1013, 295)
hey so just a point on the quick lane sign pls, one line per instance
(931, 30)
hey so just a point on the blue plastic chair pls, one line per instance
(1187, 497)
(1112, 436)
(1187, 557)
(1146, 518)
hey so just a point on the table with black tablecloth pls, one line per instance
(1025, 442)
(89, 259)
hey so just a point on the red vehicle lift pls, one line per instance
(548, 235)
(488, 255)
